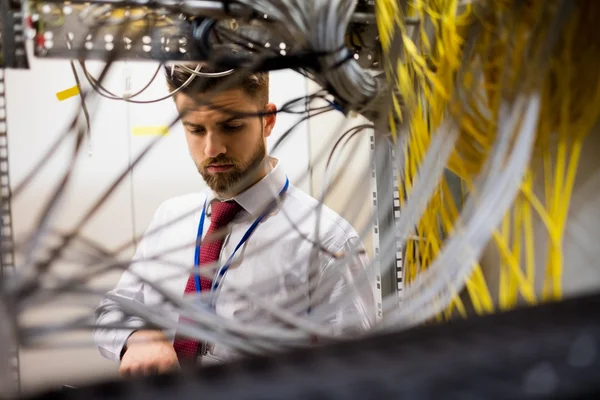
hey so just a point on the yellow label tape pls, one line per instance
(157, 130)
(68, 93)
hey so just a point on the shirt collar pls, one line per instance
(257, 197)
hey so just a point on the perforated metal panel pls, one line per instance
(386, 209)
(9, 354)
(12, 35)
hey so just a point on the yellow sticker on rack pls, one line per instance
(155, 130)
(68, 93)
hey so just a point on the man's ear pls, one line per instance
(269, 119)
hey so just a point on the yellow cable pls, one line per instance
(504, 268)
(435, 80)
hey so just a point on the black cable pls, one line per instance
(286, 108)
(243, 41)
(300, 59)
(110, 95)
(56, 145)
(94, 84)
(83, 105)
(289, 131)
(29, 287)
(351, 132)
(257, 47)
(149, 82)
(354, 44)
(201, 33)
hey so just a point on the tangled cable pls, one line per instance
(495, 93)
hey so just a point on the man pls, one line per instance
(249, 193)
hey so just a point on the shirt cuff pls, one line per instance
(124, 344)
(121, 337)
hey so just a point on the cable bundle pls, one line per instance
(501, 94)
(321, 26)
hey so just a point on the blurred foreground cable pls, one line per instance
(547, 351)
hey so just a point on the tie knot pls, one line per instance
(223, 213)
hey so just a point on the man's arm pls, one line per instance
(346, 288)
(110, 341)
(139, 351)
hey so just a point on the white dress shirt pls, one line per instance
(275, 250)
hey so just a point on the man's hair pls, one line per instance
(255, 85)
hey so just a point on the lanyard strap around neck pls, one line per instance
(223, 270)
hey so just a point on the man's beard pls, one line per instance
(224, 182)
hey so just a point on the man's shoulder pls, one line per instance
(306, 208)
(180, 205)
(188, 199)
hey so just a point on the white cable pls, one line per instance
(323, 24)
(198, 72)
(430, 292)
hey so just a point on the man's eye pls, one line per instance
(196, 131)
(232, 127)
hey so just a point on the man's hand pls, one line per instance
(148, 352)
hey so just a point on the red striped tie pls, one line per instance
(222, 214)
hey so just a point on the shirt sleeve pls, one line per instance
(110, 341)
(344, 292)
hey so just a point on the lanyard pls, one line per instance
(221, 273)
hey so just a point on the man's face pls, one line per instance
(226, 148)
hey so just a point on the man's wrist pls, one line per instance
(142, 336)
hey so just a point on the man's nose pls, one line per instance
(214, 145)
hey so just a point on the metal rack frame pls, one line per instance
(389, 279)
(12, 55)
(9, 362)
